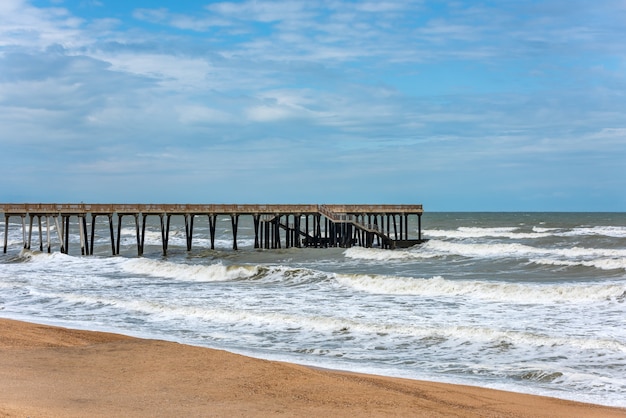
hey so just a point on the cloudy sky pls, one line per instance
(459, 105)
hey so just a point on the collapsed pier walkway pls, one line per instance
(275, 226)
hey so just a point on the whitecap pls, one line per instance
(522, 293)
(189, 272)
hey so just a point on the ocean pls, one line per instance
(525, 302)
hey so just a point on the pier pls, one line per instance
(275, 226)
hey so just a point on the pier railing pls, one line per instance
(52, 208)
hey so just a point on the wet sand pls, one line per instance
(56, 372)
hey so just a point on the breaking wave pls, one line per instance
(495, 291)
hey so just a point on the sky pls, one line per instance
(508, 105)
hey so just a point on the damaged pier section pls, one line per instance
(275, 226)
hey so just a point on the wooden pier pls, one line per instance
(275, 226)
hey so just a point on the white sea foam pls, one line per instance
(434, 248)
(496, 291)
(189, 272)
(517, 233)
(601, 258)
(608, 231)
(57, 259)
(377, 254)
(481, 250)
(474, 232)
(277, 322)
(599, 263)
(514, 250)
(544, 230)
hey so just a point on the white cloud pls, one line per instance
(203, 115)
(263, 11)
(457, 91)
(268, 113)
(178, 72)
(30, 27)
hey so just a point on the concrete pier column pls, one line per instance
(138, 233)
(297, 231)
(6, 232)
(234, 220)
(212, 225)
(110, 216)
(395, 228)
(40, 233)
(24, 231)
(319, 230)
(256, 219)
(93, 233)
(30, 231)
(48, 233)
(267, 238)
(419, 227)
(119, 233)
(59, 233)
(84, 231)
(406, 227)
(165, 232)
(189, 229)
(66, 233)
(81, 234)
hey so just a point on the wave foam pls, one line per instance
(602, 258)
(516, 233)
(475, 232)
(608, 231)
(600, 263)
(376, 254)
(496, 291)
(198, 273)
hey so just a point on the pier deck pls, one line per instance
(275, 225)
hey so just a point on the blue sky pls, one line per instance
(459, 105)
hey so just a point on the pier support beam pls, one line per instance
(296, 225)
(119, 233)
(59, 233)
(318, 233)
(82, 232)
(30, 231)
(48, 233)
(165, 231)
(256, 221)
(6, 232)
(234, 219)
(419, 227)
(212, 225)
(189, 229)
(276, 232)
(113, 252)
(267, 233)
(93, 232)
(139, 218)
(23, 231)
(406, 227)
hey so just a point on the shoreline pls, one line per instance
(49, 371)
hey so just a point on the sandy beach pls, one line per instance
(56, 372)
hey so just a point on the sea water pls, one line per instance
(527, 302)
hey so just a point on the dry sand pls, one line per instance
(55, 372)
